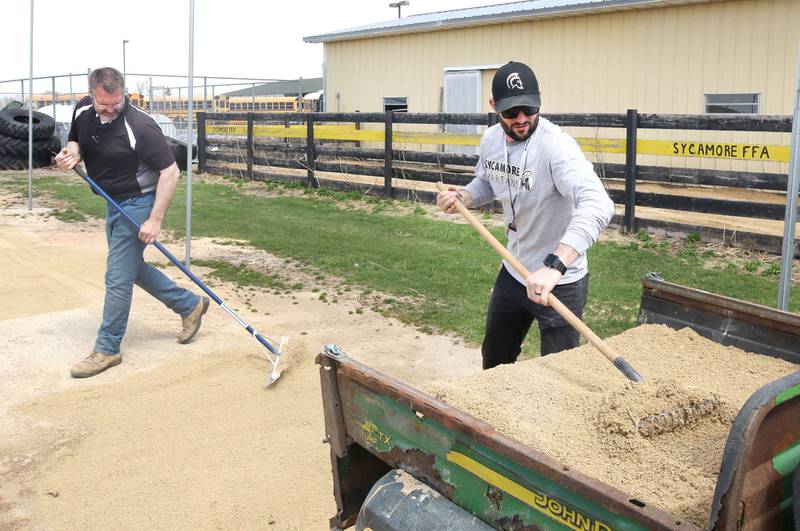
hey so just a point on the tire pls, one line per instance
(179, 150)
(18, 147)
(15, 163)
(14, 123)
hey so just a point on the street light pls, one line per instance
(124, 70)
(398, 5)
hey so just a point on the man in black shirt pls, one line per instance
(126, 154)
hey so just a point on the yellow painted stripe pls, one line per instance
(690, 148)
(537, 501)
(346, 133)
(601, 145)
(675, 148)
(716, 150)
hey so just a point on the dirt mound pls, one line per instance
(655, 407)
(576, 407)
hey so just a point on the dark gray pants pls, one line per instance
(511, 314)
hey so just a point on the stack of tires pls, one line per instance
(14, 139)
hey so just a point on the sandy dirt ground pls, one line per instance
(177, 436)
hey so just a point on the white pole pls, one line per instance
(53, 86)
(189, 141)
(792, 186)
(124, 65)
(30, 118)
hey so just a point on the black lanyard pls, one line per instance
(524, 160)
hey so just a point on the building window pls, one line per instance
(395, 104)
(741, 103)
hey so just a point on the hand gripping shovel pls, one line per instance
(273, 355)
(623, 366)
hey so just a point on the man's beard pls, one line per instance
(517, 137)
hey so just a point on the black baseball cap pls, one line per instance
(513, 85)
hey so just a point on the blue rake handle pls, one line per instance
(182, 267)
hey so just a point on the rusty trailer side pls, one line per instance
(375, 423)
(754, 487)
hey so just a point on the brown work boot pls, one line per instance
(191, 323)
(95, 363)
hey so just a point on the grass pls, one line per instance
(241, 275)
(436, 275)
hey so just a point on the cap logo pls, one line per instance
(513, 81)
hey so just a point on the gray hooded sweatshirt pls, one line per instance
(556, 194)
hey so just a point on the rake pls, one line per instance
(618, 361)
(677, 417)
(273, 353)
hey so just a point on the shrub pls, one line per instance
(773, 269)
(752, 266)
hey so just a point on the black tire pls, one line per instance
(14, 123)
(179, 150)
(15, 163)
(18, 147)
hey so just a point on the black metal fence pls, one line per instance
(257, 160)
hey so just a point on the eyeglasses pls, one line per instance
(113, 107)
(513, 112)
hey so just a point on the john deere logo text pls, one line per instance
(555, 510)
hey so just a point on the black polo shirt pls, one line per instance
(124, 156)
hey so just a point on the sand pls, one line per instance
(185, 436)
(576, 407)
(177, 436)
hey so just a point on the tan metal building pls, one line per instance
(591, 56)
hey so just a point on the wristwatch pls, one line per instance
(554, 262)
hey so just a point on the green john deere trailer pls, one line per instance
(404, 460)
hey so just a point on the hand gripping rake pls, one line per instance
(623, 366)
(273, 354)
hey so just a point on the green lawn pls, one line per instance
(441, 273)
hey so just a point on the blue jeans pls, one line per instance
(125, 266)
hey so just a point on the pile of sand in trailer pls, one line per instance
(576, 407)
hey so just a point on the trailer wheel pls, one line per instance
(400, 502)
(14, 123)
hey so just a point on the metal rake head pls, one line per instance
(275, 360)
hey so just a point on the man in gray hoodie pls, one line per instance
(554, 208)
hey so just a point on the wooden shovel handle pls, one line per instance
(562, 310)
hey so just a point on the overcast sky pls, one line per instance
(238, 38)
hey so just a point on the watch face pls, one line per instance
(555, 262)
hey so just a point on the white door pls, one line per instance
(462, 94)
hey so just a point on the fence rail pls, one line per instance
(314, 142)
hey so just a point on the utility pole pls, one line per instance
(398, 5)
(124, 68)
(792, 190)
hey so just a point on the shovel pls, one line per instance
(623, 366)
(273, 353)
